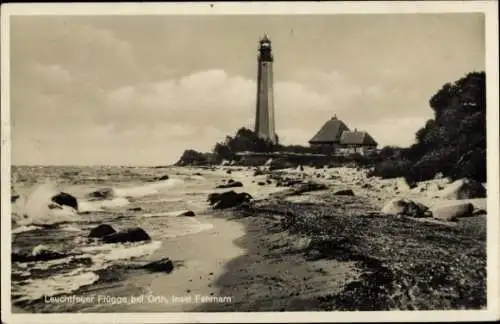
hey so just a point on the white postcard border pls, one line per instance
(489, 8)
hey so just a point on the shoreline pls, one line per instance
(315, 251)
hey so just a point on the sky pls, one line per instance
(139, 90)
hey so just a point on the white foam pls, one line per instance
(102, 257)
(199, 227)
(33, 208)
(50, 263)
(100, 205)
(149, 189)
(71, 228)
(33, 289)
(181, 226)
(163, 200)
(102, 254)
(39, 249)
(123, 252)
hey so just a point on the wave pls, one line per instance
(147, 190)
(70, 228)
(34, 289)
(195, 227)
(174, 226)
(33, 208)
(113, 252)
(102, 205)
(27, 228)
(168, 199)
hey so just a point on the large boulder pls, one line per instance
(394, 207)
(135, 234)
(228, 199)
(233, 184)
(464, 189)
(213, 197)
(65, 199)
(163, 265)
(102, 230)
(406, 208)
(453, 211)
(104, 193)
(163, 178)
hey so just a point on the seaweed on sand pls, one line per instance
(407, 265)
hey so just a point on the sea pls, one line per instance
(139, 199)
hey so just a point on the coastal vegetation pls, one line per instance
(452, 143)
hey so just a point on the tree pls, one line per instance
(222, 152)
(454, 141)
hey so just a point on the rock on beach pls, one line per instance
(228, 199)
(163, 265)
(232, 184)
(405, 207)
(464, 189)
(135, 234)
(102, 230)
(65, 199)
(453, 211)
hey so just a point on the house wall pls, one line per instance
(360, 149)
(327, 148)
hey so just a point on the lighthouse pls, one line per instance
(264, 119)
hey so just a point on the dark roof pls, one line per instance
(357, 138)
(330, 132)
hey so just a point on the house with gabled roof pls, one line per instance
(330, 133)
(336, 137)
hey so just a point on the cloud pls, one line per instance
(95, 89)
(194, 111)
(394, 131)
(52, 73)
(223, 101)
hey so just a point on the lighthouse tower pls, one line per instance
(264, 119)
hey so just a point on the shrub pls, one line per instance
(392, 168)
(192, 157)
